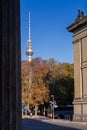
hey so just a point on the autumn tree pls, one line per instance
(24, 71)
(38, 91)
(40, 70)
(48, 77)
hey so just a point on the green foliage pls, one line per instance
(61, 82)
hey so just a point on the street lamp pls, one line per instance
(52, 105)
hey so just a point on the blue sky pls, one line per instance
(49, 20)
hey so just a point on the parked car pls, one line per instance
(63, 112)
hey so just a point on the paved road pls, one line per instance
(49, 124)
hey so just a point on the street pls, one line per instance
(50, 124)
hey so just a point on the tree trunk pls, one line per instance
(36, 108)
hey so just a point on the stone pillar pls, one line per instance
(10, 65)
(79, 29)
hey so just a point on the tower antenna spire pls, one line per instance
(29, 50)
(29, 28)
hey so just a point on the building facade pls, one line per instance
(79, 30)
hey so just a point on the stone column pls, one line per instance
(79, 29)
(10, 65)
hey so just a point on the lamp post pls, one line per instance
(52, 105)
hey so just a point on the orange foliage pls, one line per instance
(34, 81)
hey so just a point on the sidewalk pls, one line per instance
(35, 117)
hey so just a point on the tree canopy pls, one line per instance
(33, 81)
(42, 78)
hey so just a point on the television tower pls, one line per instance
(29, 50)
